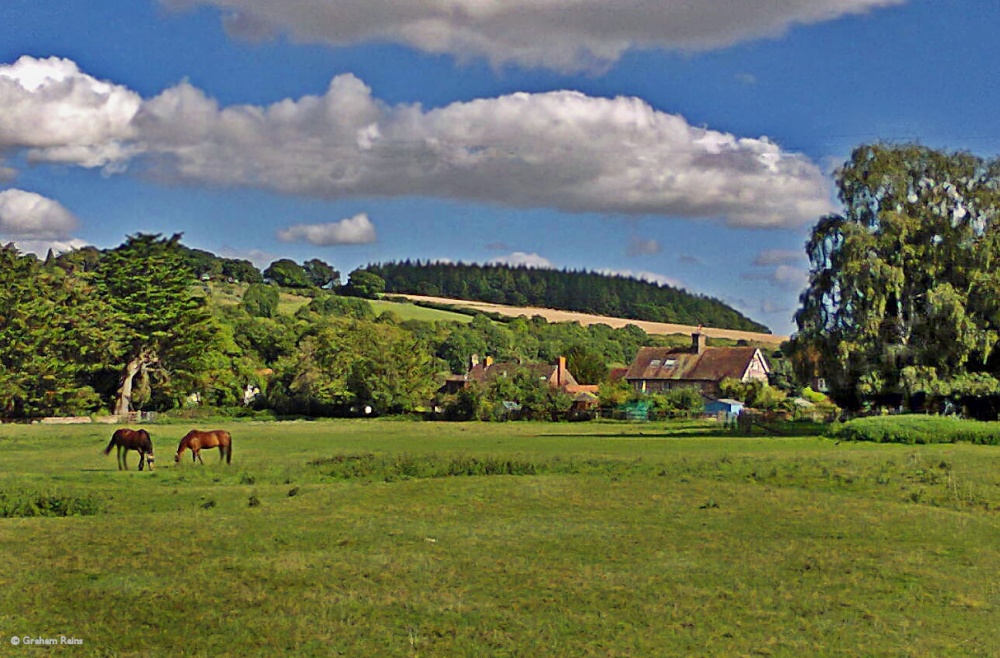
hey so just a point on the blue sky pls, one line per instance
(687, 143)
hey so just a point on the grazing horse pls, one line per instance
(195, 440)
(126, 440)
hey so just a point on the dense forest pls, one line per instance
(583, 292)
(152, 325)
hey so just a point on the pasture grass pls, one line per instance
(404, 538)
(407, 311)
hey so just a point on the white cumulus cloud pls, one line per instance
(562, 150)
(520, 258)
(35, 223)
(61, 114)
(29, 215)
(645, 275)
(785, 277)
(354, 230)
(564, 35)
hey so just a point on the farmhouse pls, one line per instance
(556, 375)
(658, 369)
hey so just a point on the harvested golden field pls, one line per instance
(553, 315)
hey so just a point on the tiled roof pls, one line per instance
(617, 374)
(713, 364)
(486, 373)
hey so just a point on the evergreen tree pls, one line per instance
(159, 324)
(53, 337)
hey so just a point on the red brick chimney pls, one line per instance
(560, 370)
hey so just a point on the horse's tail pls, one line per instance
(229, 450)
(111, 444)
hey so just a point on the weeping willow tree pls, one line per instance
(903, 300)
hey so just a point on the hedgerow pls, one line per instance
(917, 429)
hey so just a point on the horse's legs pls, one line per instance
(197, 454)
(229, 453)
(142, 460)
(122, 458)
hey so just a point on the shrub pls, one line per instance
(918, 429)
(29, 504)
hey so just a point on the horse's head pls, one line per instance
(149, 460)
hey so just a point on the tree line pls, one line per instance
(569, 290)
(153, 325)
(901, 311)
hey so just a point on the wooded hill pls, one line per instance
(152, 325)
(568, 290)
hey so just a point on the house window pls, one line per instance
(670, 363)
(655, 363)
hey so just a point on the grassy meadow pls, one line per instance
(407, 538)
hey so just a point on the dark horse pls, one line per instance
(126, 440)
(195, 440)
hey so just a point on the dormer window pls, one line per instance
(670, 363)
(655, 363)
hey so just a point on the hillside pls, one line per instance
(587, 319)
(579, 291)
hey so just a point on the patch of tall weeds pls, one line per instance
(918, 429)
(26, 504)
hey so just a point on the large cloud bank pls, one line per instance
(559, 34)
(561, 150)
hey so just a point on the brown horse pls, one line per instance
(138, 440)
(195, 440)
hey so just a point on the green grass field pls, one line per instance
(229, 294)
(405, 311)
(371, 538)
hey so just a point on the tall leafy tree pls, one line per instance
(587, 365)
(241, 270)
(261, 300)
(53, 337)
(288, 273)
(353, 363)
(902, 290)
(362, 283)
(162, 329)
(322, 274)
